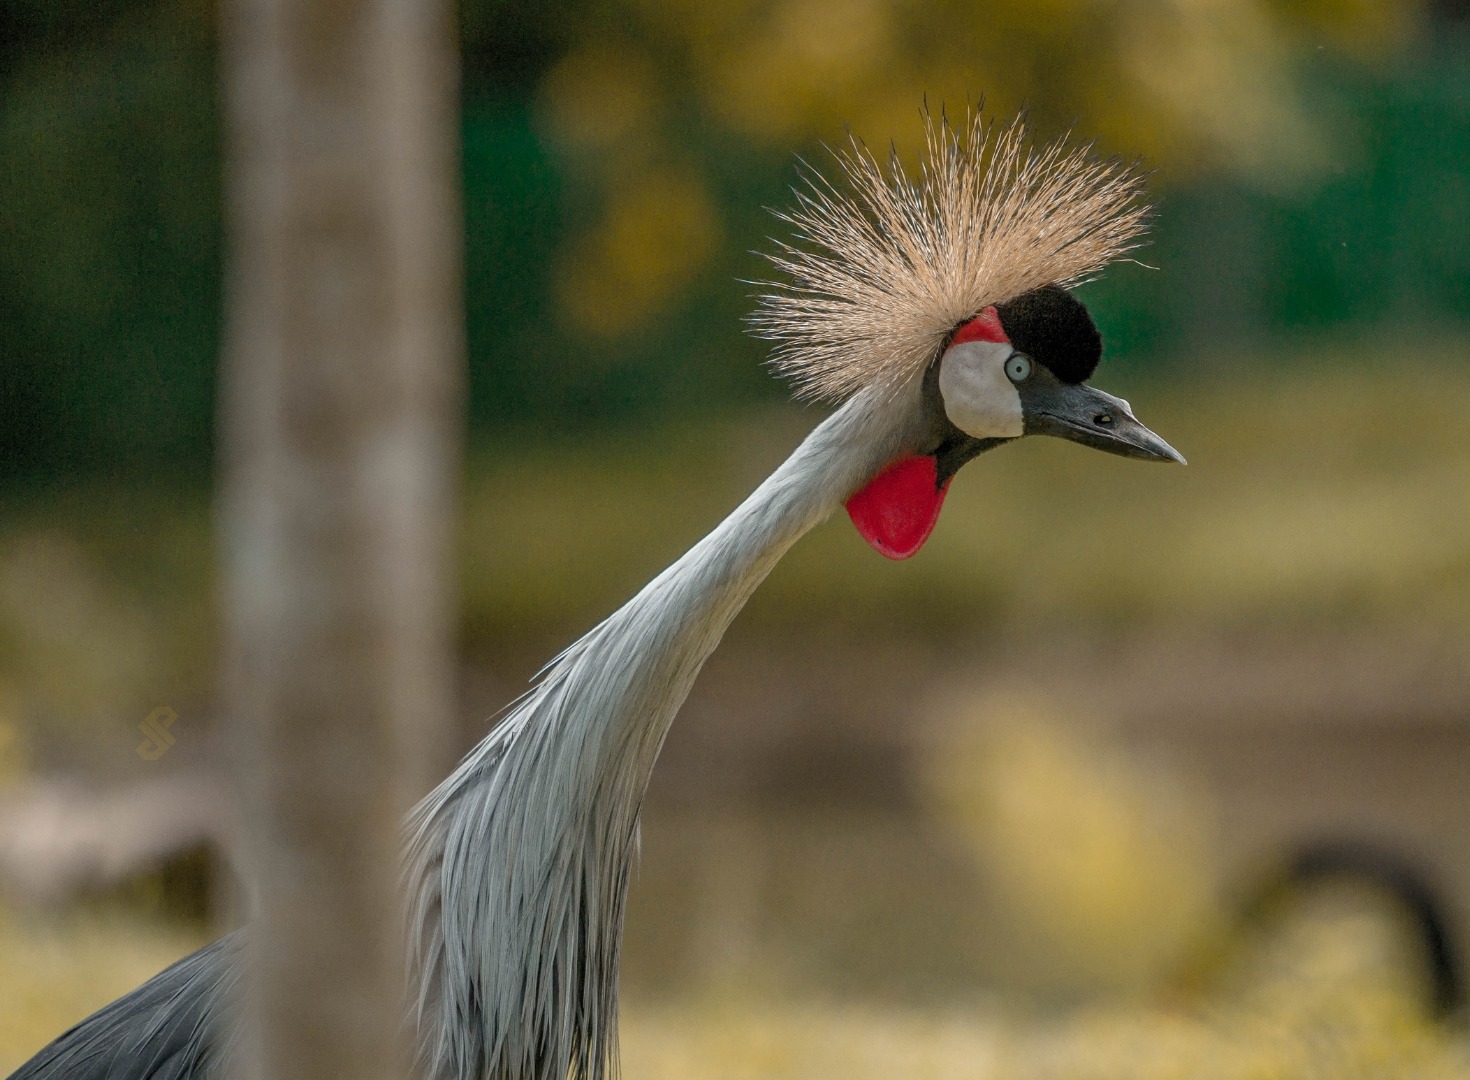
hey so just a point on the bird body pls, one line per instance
(517, 864)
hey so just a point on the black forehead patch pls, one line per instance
(1052, 327)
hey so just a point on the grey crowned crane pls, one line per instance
(934, 312)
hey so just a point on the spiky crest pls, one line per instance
(885, 267)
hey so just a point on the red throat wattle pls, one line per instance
(897, 509)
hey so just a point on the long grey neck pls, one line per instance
(518, 863)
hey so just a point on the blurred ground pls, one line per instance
(1330, 994)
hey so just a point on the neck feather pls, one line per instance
(518, 863)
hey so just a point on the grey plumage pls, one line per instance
(163, 1030)
(517, 864)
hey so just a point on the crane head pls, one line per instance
(1018, 368)
(949, 288)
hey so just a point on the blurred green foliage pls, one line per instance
(109, 212)
(1312, 174)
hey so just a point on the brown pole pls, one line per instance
(340, 407)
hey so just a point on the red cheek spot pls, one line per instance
(983, 327)
(897, 509)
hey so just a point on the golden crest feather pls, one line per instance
(882, 272)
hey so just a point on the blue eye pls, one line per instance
(1018, 367)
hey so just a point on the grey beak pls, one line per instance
(1093, 418)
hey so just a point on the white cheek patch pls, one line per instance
(978, 397)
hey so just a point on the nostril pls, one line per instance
(1103, 419)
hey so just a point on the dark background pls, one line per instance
(110, 201)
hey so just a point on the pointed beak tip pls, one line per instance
(1142, 443)
(1163, 453)
(1155, 447)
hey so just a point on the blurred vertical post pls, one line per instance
(340, 403)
